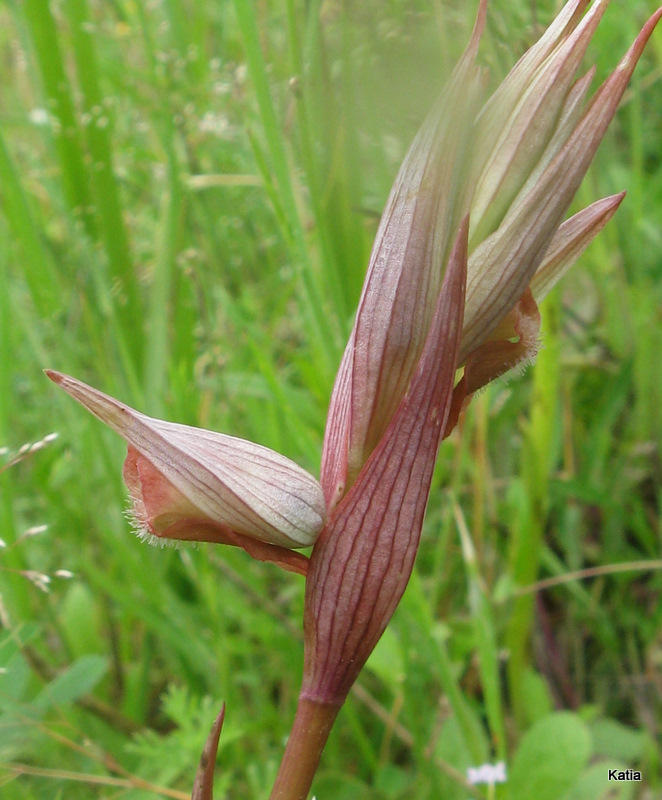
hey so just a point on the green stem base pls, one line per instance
(310, 730)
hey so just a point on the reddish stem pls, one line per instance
(312, 724)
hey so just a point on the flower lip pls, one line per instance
(158, 508)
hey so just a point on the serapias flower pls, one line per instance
(192, 484)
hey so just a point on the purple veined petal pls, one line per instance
(565, 171)
(336, 437)
(499, 106)
(570, 241)
(237, 484)
(503, 265)
(561, 26)
(361, 564)
(568, 119)
(513, 149)
(405, 273)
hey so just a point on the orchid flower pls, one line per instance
(191, 484)
(472, 237)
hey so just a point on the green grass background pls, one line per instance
(189, 192)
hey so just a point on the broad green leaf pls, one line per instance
(393, 781)
(550, 758)
(594, 784)
(614, 740)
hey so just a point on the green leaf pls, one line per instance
(392, 781)
(341, 787)
(80, 621)
(614, 740)
(82, 676)
(452, 748)
(536, 696)
(594, 784)
(14, 676)
(550, 758)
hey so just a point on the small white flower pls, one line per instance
(487, 773)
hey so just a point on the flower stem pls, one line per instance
(312, 724)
